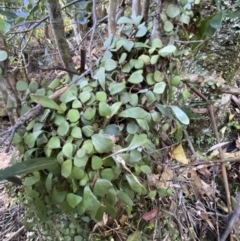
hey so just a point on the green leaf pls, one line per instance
(110, 64)
(45, 102)
(21, 85)
(146, 169)
(104, 109)
(80, 162)
(29, 181)
(34, 86)
(90, 201)
(216, 21)
(89, 113)
(124, 198)
(115, 108)
(128, 45)
(68, 149)
(122, 58)
(77, 173)
(154, 59)
(63, 128)
(115, 88)
(76, 104)
(157, 43)
(87, 131)
(218, 4)
(134, 112)
(85, 96)
(108, 174)
(166, 51)
(112, 130)
(136, 77)
(132, 128)
(27, 167)
(97, 162)
(184, 19)
(124, 20)
(54, 142)
(173, 11)
(73, 200)
(73, 115)
(48, 183)
(168, 26)
(102, 143)
(76, 132)
(31, 138)
(137, 235)
(181, 116)
(159, 88)
(102, 187)
(165, 111)
(3, 55)
(101, 96)
(158, 76)
(142, 30)
(139, 64)
(54, 84)
(134, 184)
(66, 168)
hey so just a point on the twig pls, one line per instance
(15, 234)
(215, 130)
(37, 23)
(234, 217)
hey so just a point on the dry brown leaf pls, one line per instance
(179, 155)
(165, 179)
(153, 179)
(123, 220)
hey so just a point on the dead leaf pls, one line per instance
(153, 179)
(123, 220)
(165, 179)
(179, 155)
(150, 215)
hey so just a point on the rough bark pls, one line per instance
(111, 17)
(136, 8)
(145, 10)
(57, 25)
(156, 32)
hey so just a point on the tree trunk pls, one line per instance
(56, 22)
(112, 17)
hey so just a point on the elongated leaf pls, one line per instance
(135, 112)
(45, 102)
(181, 116)
(27, 167)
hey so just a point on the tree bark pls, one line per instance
(57, 25)
(112, 17)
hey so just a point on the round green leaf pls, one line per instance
(73, 115)
(76, 132)
(110, 65)
(159, 88)
(168, 26)
(85, 96)
(102, 187)
(154, 59)
(157, 43)
(97, 162)
(146, 169)
(54, 143)
(136, 77)
(173, 11)
(101, 96)
(139, 64)
(89, 113)
(21, 85)
(68, 149)
(3, 55)
(158, 76)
